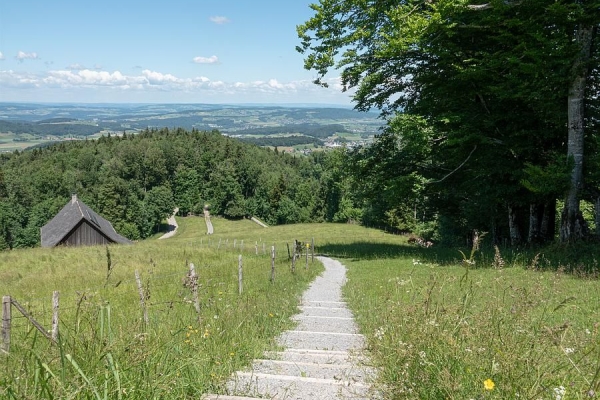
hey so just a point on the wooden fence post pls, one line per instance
(142, 296)
(294, 258)
(6, 321)
(194, 287)
(55, 296)
(307, 245)
(272, 263)
(240, 288)
(312, 248)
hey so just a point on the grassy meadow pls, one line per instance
(503, 325)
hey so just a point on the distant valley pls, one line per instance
(289, 127)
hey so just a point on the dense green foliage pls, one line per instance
(476, 99)
(136, 181)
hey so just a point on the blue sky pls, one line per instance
(202, 51)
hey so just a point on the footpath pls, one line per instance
(172, 225)
(323, 356)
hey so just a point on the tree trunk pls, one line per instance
(548, 225)
(513, 225)
(572, 224)
(597, 215)
(535, 211)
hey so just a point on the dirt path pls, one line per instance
(172, 225)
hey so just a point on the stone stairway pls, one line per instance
(322, 357)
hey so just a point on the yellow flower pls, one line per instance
(488, 384)
(270, 315)
(232, 354)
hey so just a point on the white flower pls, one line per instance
(559, 392)
(569, 350)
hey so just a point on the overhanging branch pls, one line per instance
(457, 168)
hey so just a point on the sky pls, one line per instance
(132, 51)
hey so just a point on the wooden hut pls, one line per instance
(78, 225)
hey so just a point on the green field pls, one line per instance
(435, 328)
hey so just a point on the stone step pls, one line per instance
(344, 372)
(320, 311)
(314, 356)
(325, 324)
(296, 388)
(322, 340)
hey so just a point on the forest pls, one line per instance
(135, 181)
(491, 109)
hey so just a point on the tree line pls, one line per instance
(491, 111)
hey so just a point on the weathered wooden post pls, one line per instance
(294, 258)
(272, 264)
(312, 250)
(194, 287)
(6, 321)
(307, 246)
(240, 288)
(55, 296)
(142, 296)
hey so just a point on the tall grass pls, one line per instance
(106, 351)
(511, 325)
(453, 331)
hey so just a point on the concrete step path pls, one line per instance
(322, 357)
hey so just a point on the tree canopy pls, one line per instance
(477, 102)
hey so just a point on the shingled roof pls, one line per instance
(70, 217)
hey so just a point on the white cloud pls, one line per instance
(206, 60)
(148, 84)
(1, 56)
(157, 78)
(220, 20)
(21, 56)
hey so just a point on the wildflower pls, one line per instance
(488, 384)
(232, 354)
(569, 350)
(559, 392)
(270, 315)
